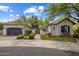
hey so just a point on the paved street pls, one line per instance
(34, 51)
(12, 46)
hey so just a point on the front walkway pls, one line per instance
(11, 41)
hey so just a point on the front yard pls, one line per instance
(58, 38)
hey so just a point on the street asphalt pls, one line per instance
(34, 51)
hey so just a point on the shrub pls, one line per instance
(61, 35)
(31, 36)
(25, 37)
(29, 32)
(25, 34)
(58, 38)
(76, 30)
(1, 26)
(76, 35)
(49, 34)
(20, 36)
(64, 35)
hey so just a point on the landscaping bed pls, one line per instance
(30, 36)
(58, 38)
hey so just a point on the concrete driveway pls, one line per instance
(10, 41)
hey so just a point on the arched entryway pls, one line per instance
(65, 29)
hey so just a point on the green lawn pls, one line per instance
(58, 38)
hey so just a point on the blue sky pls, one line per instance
(11, 11)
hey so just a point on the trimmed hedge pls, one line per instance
(58, 38)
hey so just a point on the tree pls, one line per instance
(68, 9)
(33, 21)
(1, 26)
(22, 20)
(76, 30)
(44, 23)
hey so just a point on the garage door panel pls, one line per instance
(14, 31)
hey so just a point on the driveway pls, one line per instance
(11, 41)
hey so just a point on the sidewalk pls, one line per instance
(40, 43)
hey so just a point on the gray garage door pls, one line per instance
(14, 31)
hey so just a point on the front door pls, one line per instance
(65, 29)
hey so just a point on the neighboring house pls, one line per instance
(11, 28)
(61, 26)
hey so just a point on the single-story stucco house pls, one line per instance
(11, 28)
(61, 26)
(55, 27)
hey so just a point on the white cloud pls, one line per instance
(41, 8)
(37, 14)
(31, 10)
(27, 16)
(11, 15)
(17, 15)
(4, 8)
(10, 10)
(35, 10)
(6, 20)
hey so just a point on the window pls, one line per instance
(65, 29)
(53, 28)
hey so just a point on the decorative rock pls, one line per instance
(37, 37)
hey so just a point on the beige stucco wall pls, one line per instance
(57, 30)
(12, 26)
(54, 31)
(66, 22)
(49, 28)
(42, 32)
